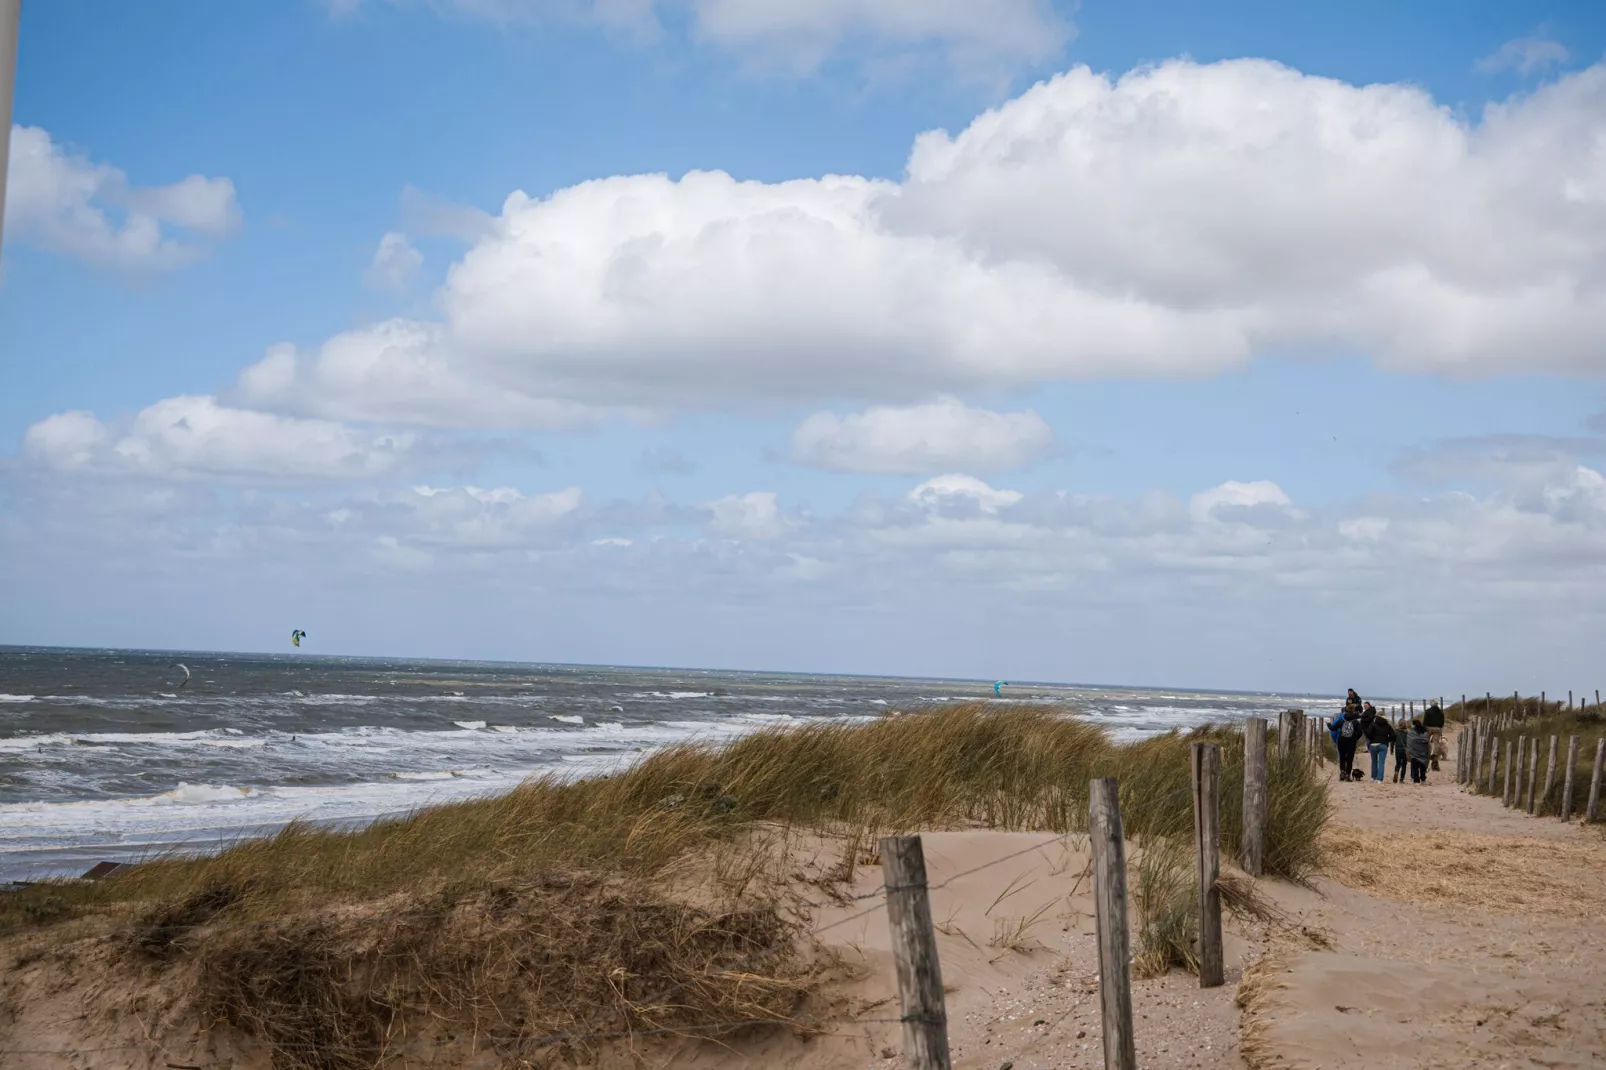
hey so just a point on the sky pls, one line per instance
(1244, 345)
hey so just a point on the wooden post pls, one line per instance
(1516, 703)
(1483, 755)
(1522, 771)
(1505, 797)
(1569, 698)
(1109, 921)
(1290, 724)
(1594, 781)
(1567, 781)
(1494, 763)
(1207, 843)
(1533, 772)
(914, 954)
(1254, 817)
(1550, 771)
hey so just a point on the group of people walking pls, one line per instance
(1417, 745)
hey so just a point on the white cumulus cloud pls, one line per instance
(195, 436)
(912, 440)
(1177, 221)
(66, 203)
(1234, 494)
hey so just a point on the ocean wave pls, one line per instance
(16, 698)
(570, 718)
(470, 725)
(199, 794)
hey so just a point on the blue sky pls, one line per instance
(1247, 349)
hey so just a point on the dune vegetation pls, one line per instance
(627, 902)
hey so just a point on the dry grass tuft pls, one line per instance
(508, 966)
(1257, 992)
(1501, 874)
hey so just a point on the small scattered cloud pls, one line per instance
(1234, 495)
(1525, 55)
(942, 435)
(64, 202)
(426, 214)
(942, 493)
(973, 37)
(664, 461)
(755, 515)
(196, 437)
(396, 265)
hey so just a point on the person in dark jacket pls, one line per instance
(1402, 736)
(1433, 721)
(1346, 729)
(1379, 734)
(1420, 751)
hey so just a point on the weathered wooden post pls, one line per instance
(1567, 781)
(1290, 728)
(1533, 772)
(1594, 781)
(1109, 921)
(1522, 770)
(1483, 756)
(1494, 763)
(1254, 818)
(914, 954)
(1505, 798)
(1550, 771)
(1207, 844)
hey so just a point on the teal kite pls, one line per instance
(296, 637)
(998, 688)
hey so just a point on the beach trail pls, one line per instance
(1464, 935)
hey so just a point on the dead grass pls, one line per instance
(510, 965)
(1501, 874)
(1256, 995)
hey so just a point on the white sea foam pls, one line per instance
(570, 718)
(199, 794)
(16, 698)
(470, 725)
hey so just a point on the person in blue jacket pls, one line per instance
(1346, 729)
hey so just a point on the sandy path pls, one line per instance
(1465, 935)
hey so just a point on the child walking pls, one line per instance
(1401, 759)
(1420, 749)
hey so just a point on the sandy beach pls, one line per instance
(1446, 931)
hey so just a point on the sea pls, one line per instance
(116, 755)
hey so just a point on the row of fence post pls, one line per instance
(924, 1014)
(1481, 753)
(1518, 713)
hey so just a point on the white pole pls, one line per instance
(10, 17)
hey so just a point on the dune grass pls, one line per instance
(954, 766)
(487, 913)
